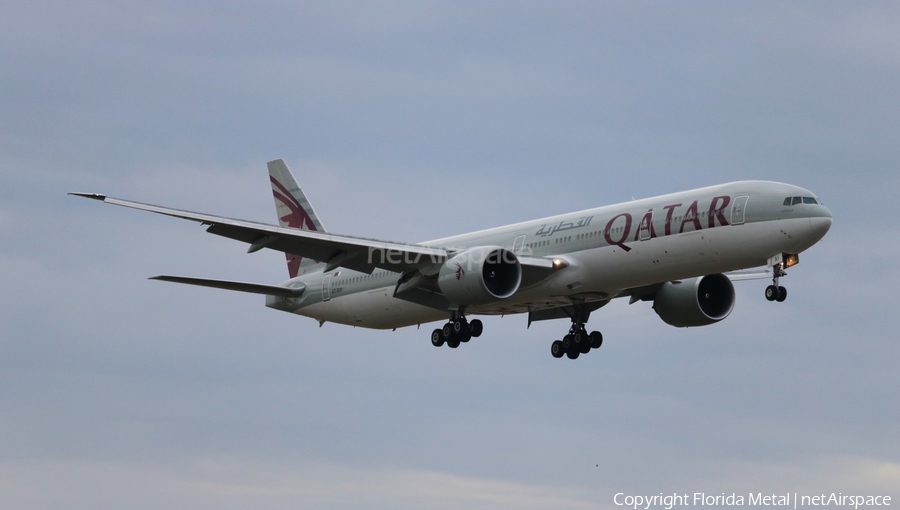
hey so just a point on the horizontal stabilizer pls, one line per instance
(254, 288)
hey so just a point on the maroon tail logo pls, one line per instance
(298, 218)
(460, 272)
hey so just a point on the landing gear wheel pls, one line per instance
(580, 341)
(782, 294)
(585, 345)
(456, 331)
(772, 293)
(476, 327)
(459, 325)
(556, 349)
(577, 337)
(567, 343)
(596, 340)
(437, 338)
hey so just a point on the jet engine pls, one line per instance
(696, 301)
(480, 275)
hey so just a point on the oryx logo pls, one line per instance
(460, 272)
(296, 218)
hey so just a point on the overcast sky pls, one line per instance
(410, 121)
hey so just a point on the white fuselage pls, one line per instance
(608, 250)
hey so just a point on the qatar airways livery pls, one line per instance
(680, 251)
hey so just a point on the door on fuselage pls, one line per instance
(518, 244)
(326, 287)
(737, 210)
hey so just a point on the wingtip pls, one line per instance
(95, 196)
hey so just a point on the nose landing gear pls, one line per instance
(775, 292)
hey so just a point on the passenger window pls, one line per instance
(796, 201)
(809, 200)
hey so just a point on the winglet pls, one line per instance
(95, 196)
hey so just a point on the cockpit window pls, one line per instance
(802, 200)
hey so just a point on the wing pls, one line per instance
(336, 250)
(354, 253)
(741, 276)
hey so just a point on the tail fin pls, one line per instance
(294, 211)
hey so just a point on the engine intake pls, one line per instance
(480, 275)
(696, 301)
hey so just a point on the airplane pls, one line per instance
(679, 251)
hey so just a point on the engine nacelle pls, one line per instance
(695, 302)
(481, 275)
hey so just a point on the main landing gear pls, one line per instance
(457, 331)
(775, 292)
(576, 343)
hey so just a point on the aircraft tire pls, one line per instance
(578, 340)
(464, 336)
(476, 327)
(782, 294)
(447, 331)
(567, 343)
(583, 343)
(437, 338)
(556, 349)
(596, 339)
(453, 343)
(572, 354)
(772, 293)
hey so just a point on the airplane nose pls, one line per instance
(820, 221)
